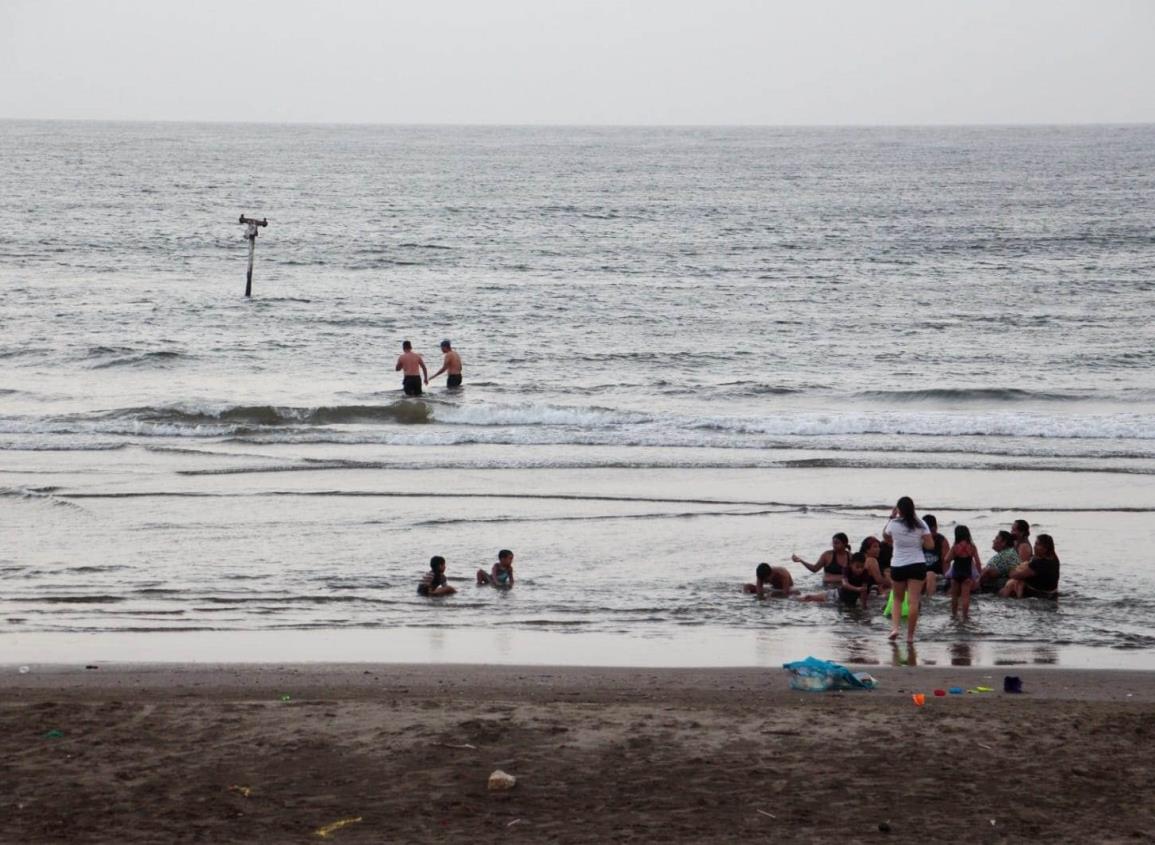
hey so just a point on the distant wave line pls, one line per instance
(566, 497)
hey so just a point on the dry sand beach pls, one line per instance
(215, 754)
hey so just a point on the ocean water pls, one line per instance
(686, 351)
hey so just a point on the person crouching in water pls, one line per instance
(775, 580)
(871, 551)
(501, 575)
(1039, 576)
(435, 583)
(856, 582)
(961, 565)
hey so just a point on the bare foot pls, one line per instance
(893, 634)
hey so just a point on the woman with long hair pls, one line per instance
(833, 562)
(1039, 576)
(870, 549)
(935, 554)
(910, 537)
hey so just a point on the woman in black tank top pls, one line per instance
(832, 562)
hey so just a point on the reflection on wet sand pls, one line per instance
(903, 654)
(861, 651)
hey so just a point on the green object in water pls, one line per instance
(890, 604)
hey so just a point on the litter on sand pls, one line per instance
(814, 675)
(54, 734)
(328, 830)
(512, 823)
(768, 815)
(499, 781)
(460, 745)
(243, 791)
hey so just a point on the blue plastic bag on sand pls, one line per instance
(814, 675)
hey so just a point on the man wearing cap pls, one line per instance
(450, 364)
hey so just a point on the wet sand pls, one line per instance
(149, 753)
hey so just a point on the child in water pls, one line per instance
(775, 580)
(855, 582)
(435, 583)
(501, 575)
(962, 568)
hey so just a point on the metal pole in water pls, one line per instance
(249, 275)
(251, 224)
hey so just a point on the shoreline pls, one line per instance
(695, 647)
(274, 753)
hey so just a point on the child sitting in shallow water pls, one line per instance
(855, 582)
(501, 575)
(435, 583)
(962, 568)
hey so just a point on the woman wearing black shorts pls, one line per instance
(910, 537)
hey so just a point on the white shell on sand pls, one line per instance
(499, 781)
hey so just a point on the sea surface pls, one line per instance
(686, 351)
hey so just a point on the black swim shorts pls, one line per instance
(911, 572)
(411, 385)
(454, 380)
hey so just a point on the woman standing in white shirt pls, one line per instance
(910, 536)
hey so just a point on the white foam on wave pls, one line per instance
(134, 428)
(533, 415)
(1131, 426)
(541, 424)
(941, 424)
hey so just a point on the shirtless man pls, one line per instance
(451, 363)
(409, 363)
(772, 580)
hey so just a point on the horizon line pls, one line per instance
(579, 125)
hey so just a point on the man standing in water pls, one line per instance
(409, 363)
(451, 363)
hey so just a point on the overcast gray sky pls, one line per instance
(565, 61)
